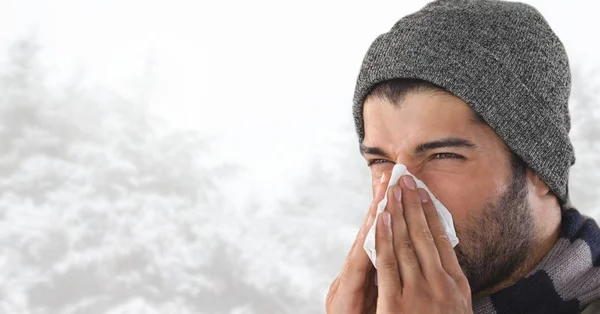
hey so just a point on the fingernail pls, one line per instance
(424, 195)
(370, 220)
(409, 182)
(398, 193)
(386, 219)
(382, 178)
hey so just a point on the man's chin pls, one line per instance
(479, 281)
(486, 278)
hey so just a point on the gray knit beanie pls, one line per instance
(502, 59)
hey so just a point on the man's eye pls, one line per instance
(376, 161)
(447, 156)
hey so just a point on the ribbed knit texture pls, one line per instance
(502, 58)
(565, 281)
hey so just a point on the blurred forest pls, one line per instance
(103, 210)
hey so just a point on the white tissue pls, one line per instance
(443, 213)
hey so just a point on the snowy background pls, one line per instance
(199, 157)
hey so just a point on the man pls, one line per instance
(472, 96)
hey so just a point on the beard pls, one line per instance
(497, 243)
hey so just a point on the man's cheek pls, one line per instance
(463, 200)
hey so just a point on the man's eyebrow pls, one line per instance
(443, 143)
(373, 151)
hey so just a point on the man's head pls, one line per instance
(472, 96)
(466, 165)
(502, 59)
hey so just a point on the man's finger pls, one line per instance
(357, 263)
(444, 246)
(371, 291)
(408, 264)
(419, 232)
(388, 277)
(332, 289)
(368, 219)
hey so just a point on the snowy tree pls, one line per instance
(99, 212)
(585, 134)
(103, 209)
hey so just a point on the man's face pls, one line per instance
(467, 166)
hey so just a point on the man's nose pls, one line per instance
(406, 161)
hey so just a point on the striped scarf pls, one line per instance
(566, 280)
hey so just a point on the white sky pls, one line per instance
(273, 79)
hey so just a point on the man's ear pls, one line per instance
(536, 184)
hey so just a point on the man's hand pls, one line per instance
(417, 268)
(354, 290)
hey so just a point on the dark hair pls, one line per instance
(395, 90)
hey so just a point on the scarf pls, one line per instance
(565, 281)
